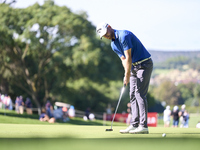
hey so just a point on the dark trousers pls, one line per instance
(139, 83)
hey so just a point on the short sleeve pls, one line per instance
(126, 42)
(116, 50)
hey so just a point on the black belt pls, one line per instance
(139, 62)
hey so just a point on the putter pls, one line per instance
(122, 91)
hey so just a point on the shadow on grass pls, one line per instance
(99, 144)
(80, 121)
(73, 121)
(14, 114)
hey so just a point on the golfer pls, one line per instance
(138, 66)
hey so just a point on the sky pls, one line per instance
(169, 25)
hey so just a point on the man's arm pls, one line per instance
(127, 62)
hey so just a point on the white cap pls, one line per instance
(183, 106)
(168, 107)
(175, 108)
(101, 29)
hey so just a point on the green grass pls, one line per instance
(76, 137)
(23, 132)
(11, 117)
(87, 132)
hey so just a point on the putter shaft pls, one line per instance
(122, 91)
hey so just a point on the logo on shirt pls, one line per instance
(124, 44)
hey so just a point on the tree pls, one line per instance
(30, 37)
(9, 2)
(48, 52)
(168, 92)
(186, 91)
(196, 91)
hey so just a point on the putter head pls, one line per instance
(109, 129)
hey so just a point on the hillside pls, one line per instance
(160, 56)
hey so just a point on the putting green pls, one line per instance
(76, 131)
(75, 137)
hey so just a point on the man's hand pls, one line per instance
(126, 79)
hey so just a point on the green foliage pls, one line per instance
(181, 91)
(186, 90)
(168, 92)
(48, 52)
(195, 63)
(179, 62)
(196, 92)
(173, 63)
(190, 93)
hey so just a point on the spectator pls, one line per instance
(17, 104)
(65, 116)
(7, 102)
(10, 104)
(109, 112)
(44, 117)
(176, 115)
(58, 113)
(87, 113)
(71, 112)
(166, 116)
(186, 119)
(2, 100)
(52, 120)
(28, 106)
(181, 113)
(5, 99)
(21, 105)
(49, 109)
(198, 125)
(91, 116)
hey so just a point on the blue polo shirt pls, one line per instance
(125, 40)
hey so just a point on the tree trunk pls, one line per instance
(34, 98)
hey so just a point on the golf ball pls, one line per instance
(163, 135)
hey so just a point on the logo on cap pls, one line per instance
(99, 30)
